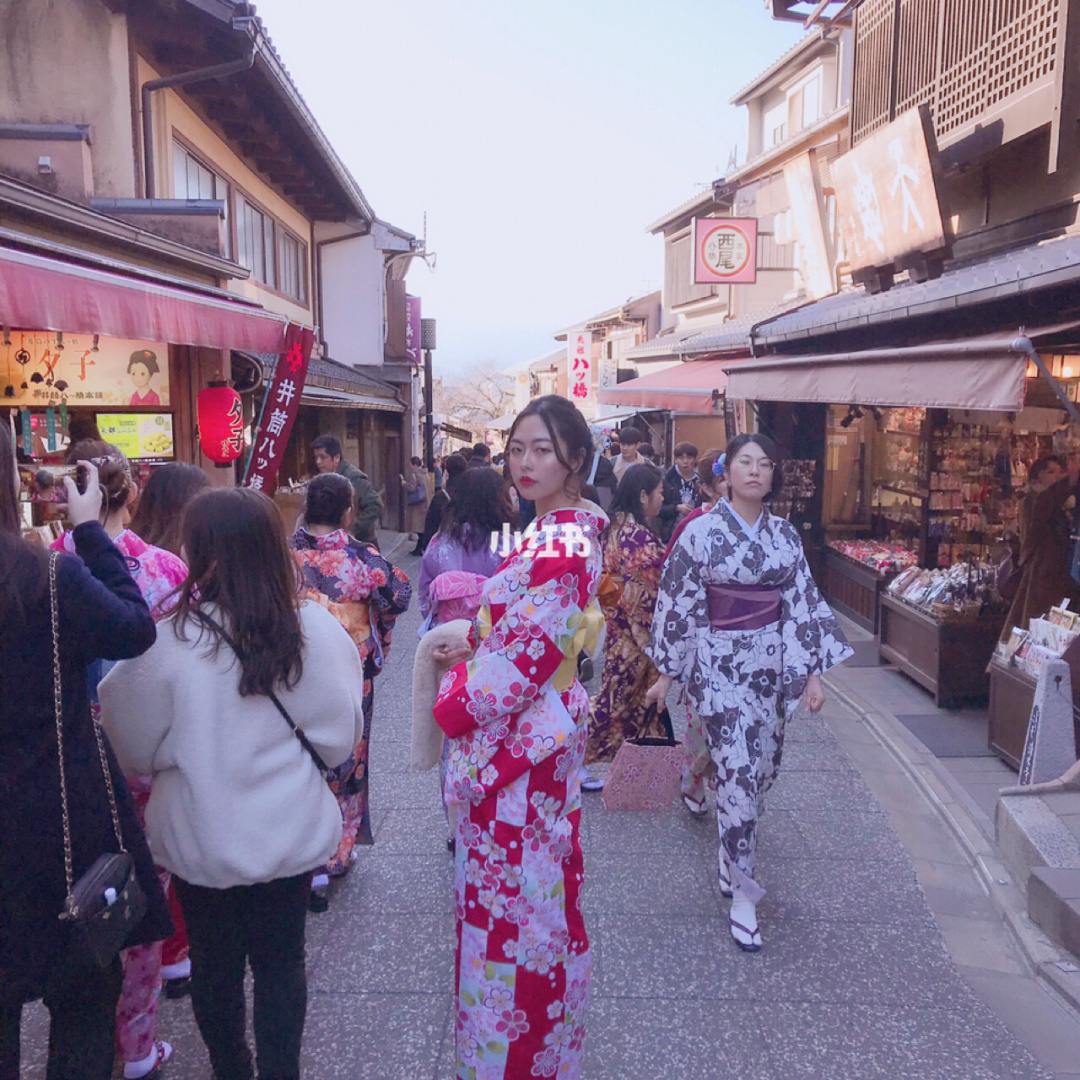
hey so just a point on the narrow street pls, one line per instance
(855, 981)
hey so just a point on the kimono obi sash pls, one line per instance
(742, 607)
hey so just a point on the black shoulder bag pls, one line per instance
(106, 904)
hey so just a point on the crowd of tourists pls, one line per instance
(188, 701)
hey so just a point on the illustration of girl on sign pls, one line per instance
(142, 367)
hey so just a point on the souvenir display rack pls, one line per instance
(1014, 672)
(940, 627)
(856, 572)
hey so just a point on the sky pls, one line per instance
(540, 140)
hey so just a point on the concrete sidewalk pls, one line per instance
(884, 956)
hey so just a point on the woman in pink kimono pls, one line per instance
(516, 718)
(158, 573)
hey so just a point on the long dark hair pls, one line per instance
(772, 451)
(569, 434)
(480, 507)
(239, 560)
(638, 480)
(160, 512)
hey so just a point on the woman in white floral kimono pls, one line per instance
(740, 621)
(516, 720)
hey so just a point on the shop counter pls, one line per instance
(853, 588)
(947, 658)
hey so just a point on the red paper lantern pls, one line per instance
(221, 424)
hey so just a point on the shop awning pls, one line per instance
(985, 374)
(696, 387)
(339, 399)
(38, 293)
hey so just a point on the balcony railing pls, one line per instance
(973, 62)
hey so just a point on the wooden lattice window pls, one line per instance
(963, 58)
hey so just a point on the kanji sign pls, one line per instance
(279, 413)
(412, 328)
(816, 256)
(725, 251)
(887, 195)
(579, 368)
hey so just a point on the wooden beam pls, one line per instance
(816, 13)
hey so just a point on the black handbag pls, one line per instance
(106, 904)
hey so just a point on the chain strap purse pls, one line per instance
(106, 904)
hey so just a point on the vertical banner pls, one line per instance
(412, 328)
(279, 411)
(579, 368)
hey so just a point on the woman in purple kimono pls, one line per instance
(741, 623)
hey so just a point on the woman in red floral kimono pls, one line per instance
(366, 594)
(516, 718)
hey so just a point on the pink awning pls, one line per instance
(694, 387)
(37, 293)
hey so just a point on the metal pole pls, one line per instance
(1024, 345)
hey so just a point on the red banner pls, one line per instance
(280, 409)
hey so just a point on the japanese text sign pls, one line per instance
(725, 251)
(42, 368)
(412, 328)
(816, 256)
(138, 435)
(279, 412)
(887, 196)
(579, 367)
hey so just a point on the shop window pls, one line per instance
(255, 242)
(192, 179)
(292, 254)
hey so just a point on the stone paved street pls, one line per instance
(855, 981)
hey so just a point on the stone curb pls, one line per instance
(972, 830)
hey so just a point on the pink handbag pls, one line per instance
(646, 772)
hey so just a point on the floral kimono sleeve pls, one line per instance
(544, 601)
(812, 639)
(681, 610)
(390, 595)
(642, 560)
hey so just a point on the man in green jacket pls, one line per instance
(369, 506)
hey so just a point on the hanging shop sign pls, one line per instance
(138, 435)
(280, 406)
(41, 368)
(817, 261)
(579, 366)
(887, 193)
(412, 328)
(221, 424)
(725, 251)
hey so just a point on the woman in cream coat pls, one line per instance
(239, 811)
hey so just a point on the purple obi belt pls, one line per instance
(742, 607)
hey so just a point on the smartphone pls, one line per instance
(47, 481)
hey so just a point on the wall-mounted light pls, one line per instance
(7, 336)
(59, 340)
(44, 165)
(94, 345)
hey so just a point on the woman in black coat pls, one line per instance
(101, 615)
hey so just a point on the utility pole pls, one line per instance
(427, 343)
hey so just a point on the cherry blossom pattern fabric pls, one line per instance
(156, 571)
(515, 716)
(742, 684)
(366, 594)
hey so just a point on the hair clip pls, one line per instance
(718, 465)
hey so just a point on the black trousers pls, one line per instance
(263, 924)
(81, 998)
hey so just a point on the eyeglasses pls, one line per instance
(748, 463)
